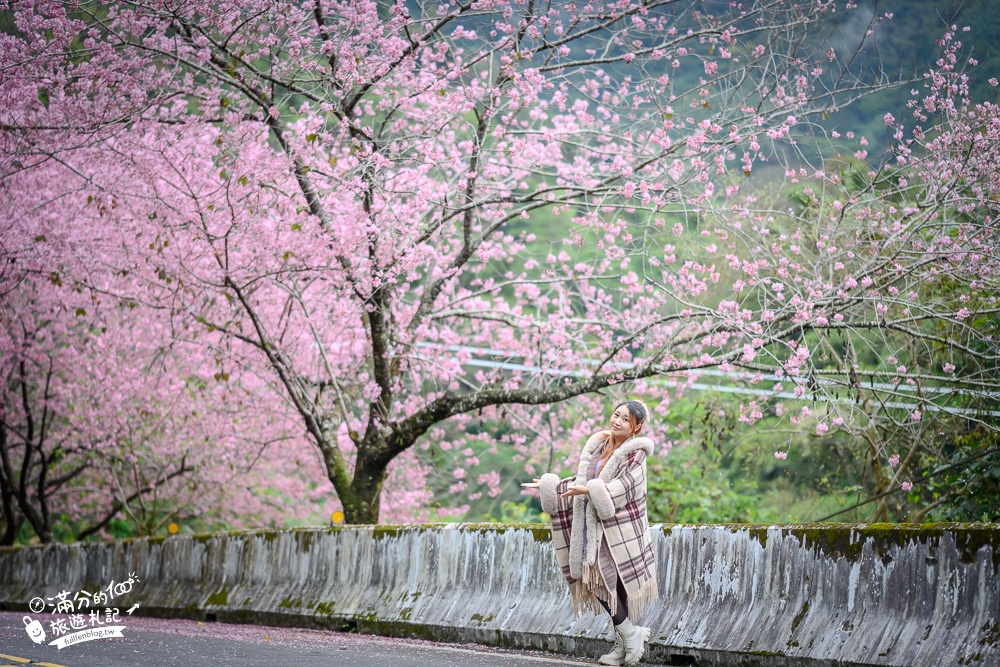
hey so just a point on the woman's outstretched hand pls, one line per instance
(531, 485)
(576, 490)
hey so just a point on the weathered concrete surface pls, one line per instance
(730, 595)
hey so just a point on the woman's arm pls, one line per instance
(552, 489)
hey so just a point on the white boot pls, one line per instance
(635, 637)
(617, 654)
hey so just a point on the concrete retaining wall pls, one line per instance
(730, 595)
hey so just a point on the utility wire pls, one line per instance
(479, 361)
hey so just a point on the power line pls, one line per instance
(703, 386)
(502, 354)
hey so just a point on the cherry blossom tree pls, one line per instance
(357, 200)
(46, 471)
(104, 414)
(889, 271)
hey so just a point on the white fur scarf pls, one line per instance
(578, 552)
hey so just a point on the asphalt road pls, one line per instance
(148, 642)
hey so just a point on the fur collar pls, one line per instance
(610, 469)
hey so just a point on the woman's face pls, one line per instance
(621, 423)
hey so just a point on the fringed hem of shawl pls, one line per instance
(647, 594)
(588, 592)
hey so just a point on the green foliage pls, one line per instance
(122, 528)
(689, 487)
(970, 489)
(522, 512)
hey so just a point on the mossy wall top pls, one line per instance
(876, 594)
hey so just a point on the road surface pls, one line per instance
(149, 642)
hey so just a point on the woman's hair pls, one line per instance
(638, 413)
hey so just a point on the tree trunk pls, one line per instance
(16, 487)
(12, 519)
(11, 531)
(40, 522)
(363, 503)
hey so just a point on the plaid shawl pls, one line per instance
(614, 511)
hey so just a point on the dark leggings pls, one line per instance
(622, 613)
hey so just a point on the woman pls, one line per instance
(600, 531)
